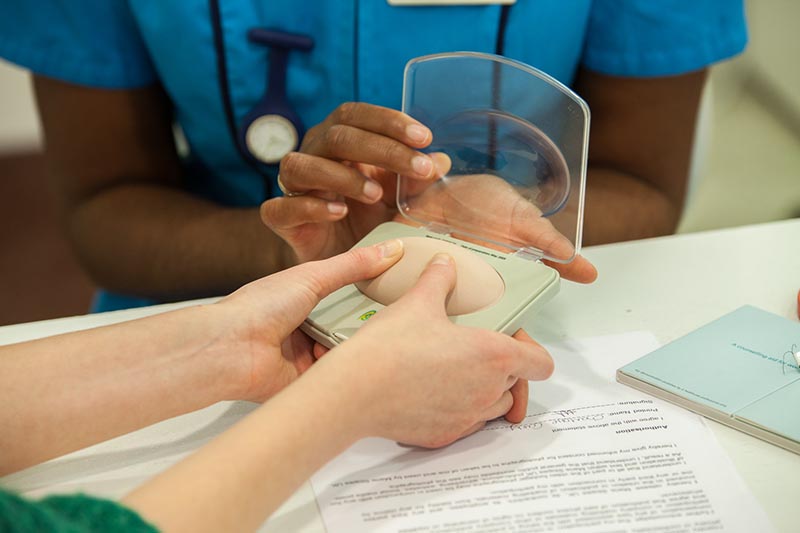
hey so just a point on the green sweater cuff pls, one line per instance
(78, 513)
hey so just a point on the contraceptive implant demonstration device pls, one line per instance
(517, 140)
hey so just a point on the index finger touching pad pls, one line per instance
(478, 285)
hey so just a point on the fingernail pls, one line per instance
(441, 259)
(390, 248)
(417, 133)
(372, 190)
(337, 208)
(422, 165)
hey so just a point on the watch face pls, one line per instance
(270, 137)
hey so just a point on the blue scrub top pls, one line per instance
(361, 49)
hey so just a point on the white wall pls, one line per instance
(19, 123)
(750, 168)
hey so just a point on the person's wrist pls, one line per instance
(218, 351)
(357, 388)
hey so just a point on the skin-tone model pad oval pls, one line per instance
(478, 285)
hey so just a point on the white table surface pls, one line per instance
(669, 286)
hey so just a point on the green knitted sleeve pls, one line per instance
(67, 514)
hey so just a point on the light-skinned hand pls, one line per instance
(261, 338)
(426, 381)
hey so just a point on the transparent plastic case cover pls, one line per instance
(517, 140)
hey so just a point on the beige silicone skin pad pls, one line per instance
(517, 286)
(478, 285)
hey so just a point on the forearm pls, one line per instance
(620, 207)
(640, 150)
(66, 392)
(160, 242)
(114, 165)
(244, 475)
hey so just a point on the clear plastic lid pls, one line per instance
(517, 140)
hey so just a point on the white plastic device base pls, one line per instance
(529, 284)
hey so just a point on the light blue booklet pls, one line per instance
(738, 370)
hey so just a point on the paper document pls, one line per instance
(592, 455)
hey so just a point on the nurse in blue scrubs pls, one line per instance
(310, 90)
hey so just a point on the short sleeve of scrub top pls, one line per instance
(80, 41)
(647, 38)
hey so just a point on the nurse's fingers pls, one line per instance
(287, 213)
(382, 120)
(579, 270)
(442, 162)
(349, 143)
(302, 173)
